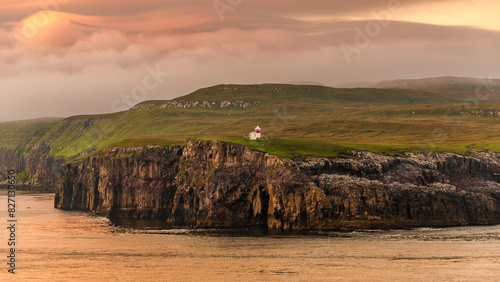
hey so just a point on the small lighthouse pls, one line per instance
(254, 135)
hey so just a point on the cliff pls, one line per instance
(225, 184)
(36, 168)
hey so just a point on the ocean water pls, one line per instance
(55, 245)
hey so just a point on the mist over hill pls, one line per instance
(434, 84)
(444, 84)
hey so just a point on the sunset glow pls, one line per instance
(250, 140)
(479, 14)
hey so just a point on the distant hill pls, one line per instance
(295, 120)
(305, 83)
(442, 84)
(359, 84)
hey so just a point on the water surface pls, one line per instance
(57, 245)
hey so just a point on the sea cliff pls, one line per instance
(210, 184)
(37, 170)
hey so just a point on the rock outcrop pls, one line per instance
(38, 169)
(133, 182)
(225, 184)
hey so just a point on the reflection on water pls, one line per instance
(159, 226)
(57, 245)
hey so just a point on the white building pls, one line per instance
(254, 135)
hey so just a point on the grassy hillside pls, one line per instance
(295, 120)
(448, 84)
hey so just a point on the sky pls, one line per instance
(60, 58)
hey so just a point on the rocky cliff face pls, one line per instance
(135, 182)
(224, 184)
(38, 169)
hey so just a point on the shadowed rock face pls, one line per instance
(42, 170)
(224, 184)
(136, 182)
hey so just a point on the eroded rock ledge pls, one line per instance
(225, 184)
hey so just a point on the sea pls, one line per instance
(57, 245)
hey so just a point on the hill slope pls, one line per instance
(447, 84)
(295, 120)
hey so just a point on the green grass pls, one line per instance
(295, 121)
(22, 176)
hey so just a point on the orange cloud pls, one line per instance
(88, 51)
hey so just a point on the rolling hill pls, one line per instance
(445, 84)
(429, 115)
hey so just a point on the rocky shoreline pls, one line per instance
(217, 184)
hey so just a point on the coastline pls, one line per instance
(218, 184)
